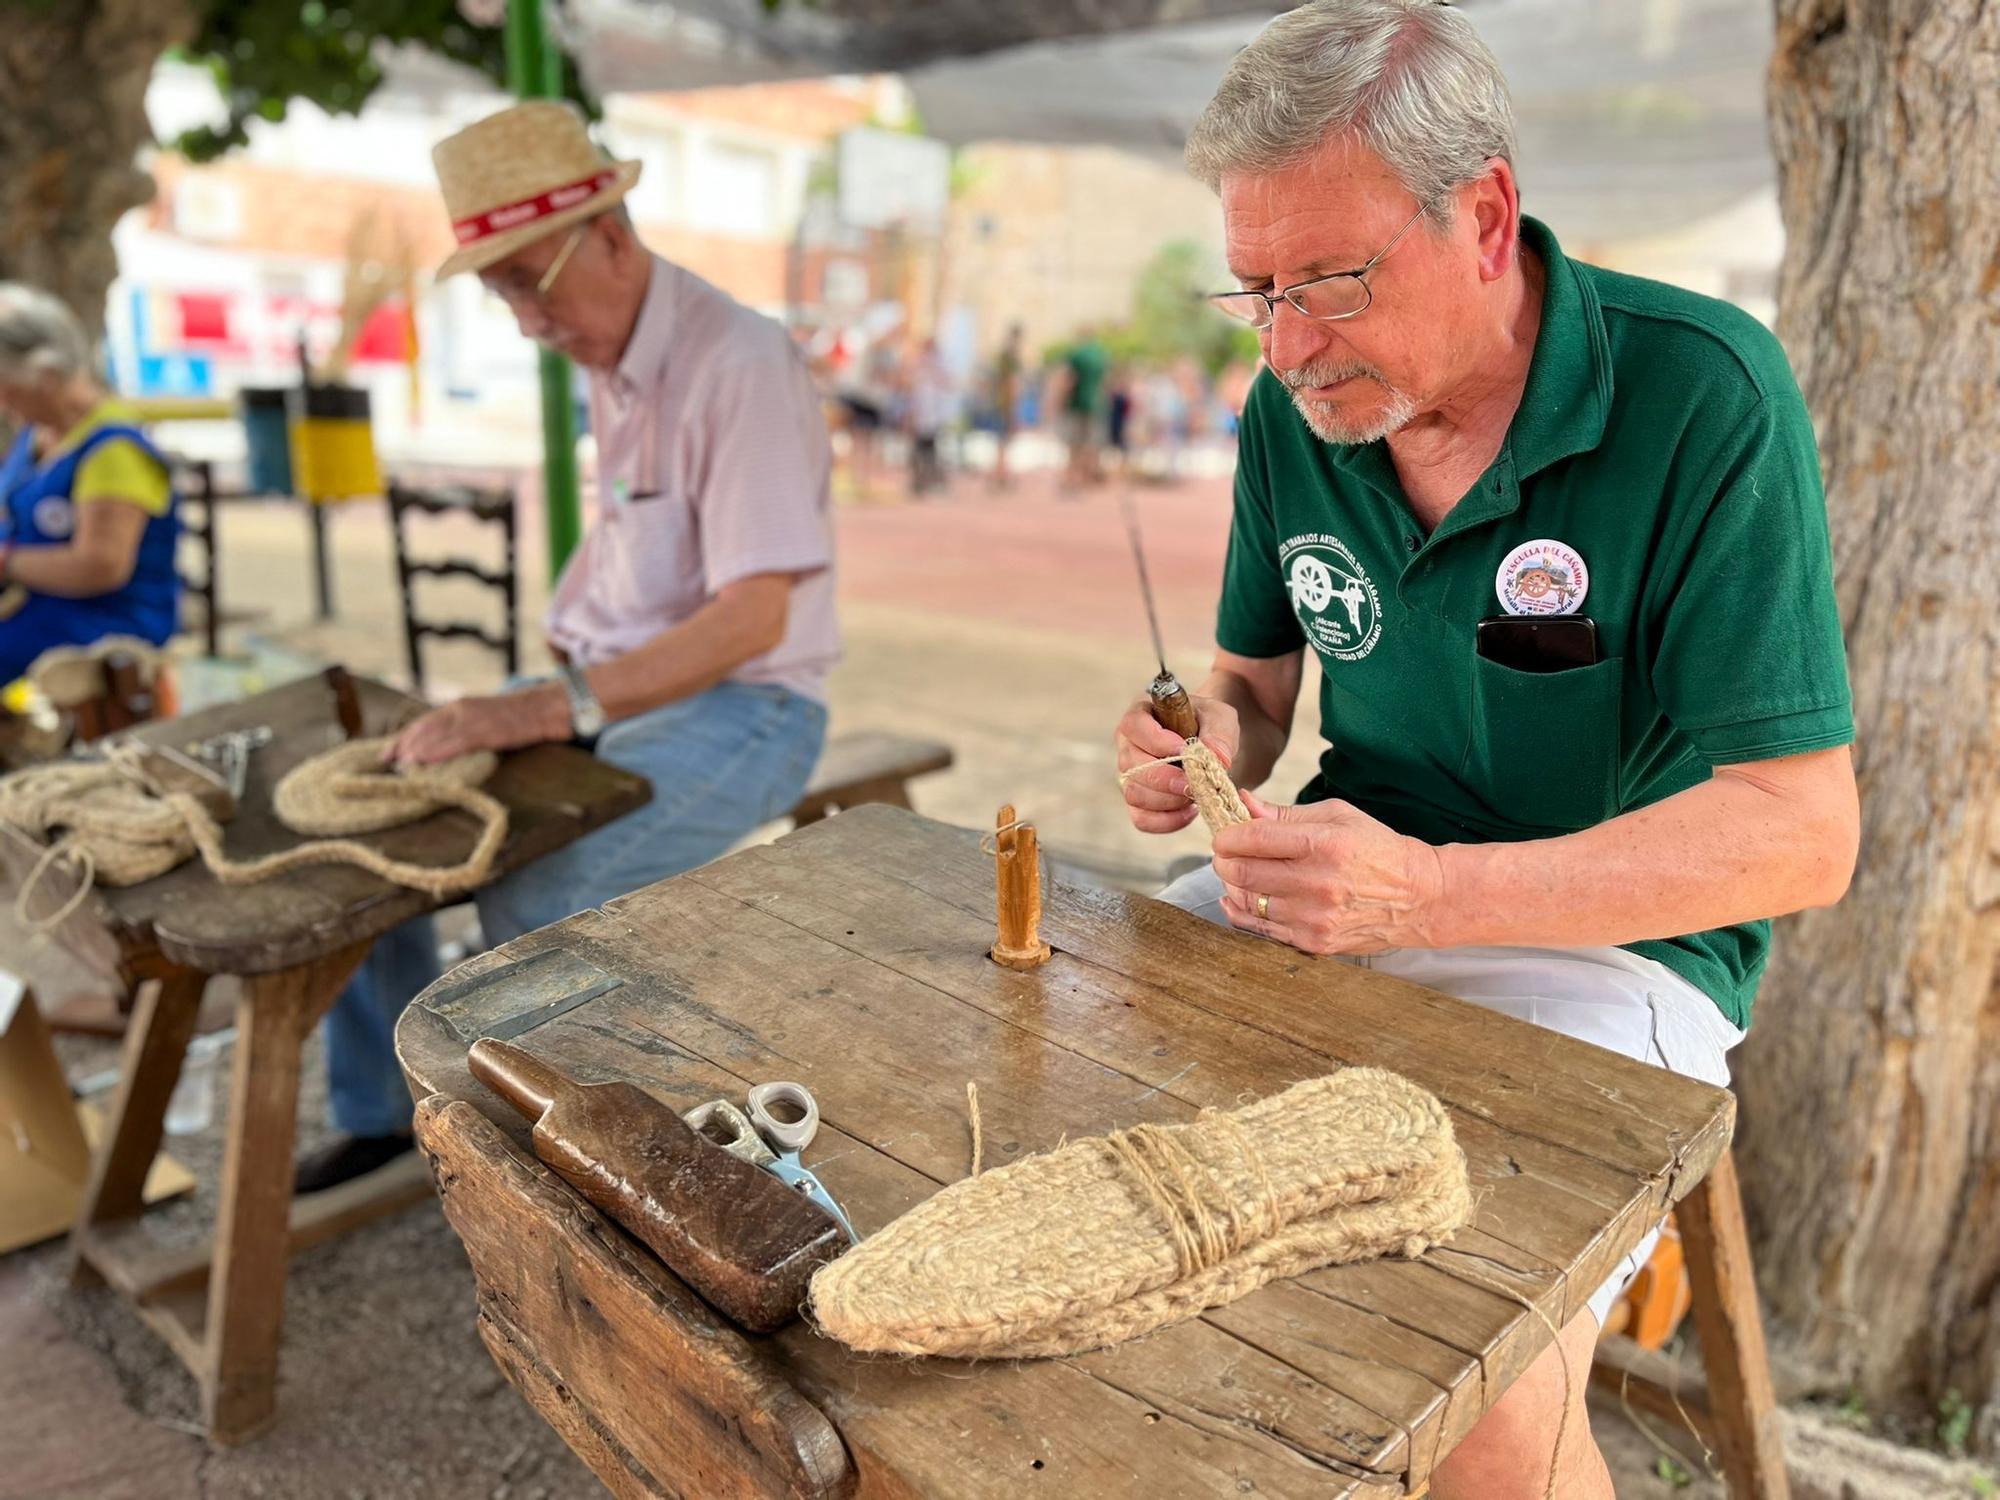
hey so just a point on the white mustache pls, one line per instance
(1327, 372)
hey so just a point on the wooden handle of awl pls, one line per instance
(1172, 706)
(746, 1242)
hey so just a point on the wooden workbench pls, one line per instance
(295, 939)
(851, 957)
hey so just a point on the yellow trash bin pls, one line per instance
(333, 443)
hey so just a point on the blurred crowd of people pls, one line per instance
(898, 404)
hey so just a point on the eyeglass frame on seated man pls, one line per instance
(1270, 300)
(538, 297)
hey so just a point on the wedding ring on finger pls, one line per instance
(1263, 908)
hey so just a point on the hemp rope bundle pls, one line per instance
(109, 819)
(1208, 784)
(1111, 1237)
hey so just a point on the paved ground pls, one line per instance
(1007, 625)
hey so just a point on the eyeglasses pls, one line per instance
(511, 292)
(1344, 294)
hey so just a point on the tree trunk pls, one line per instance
(72, 121)
(1871, 1082)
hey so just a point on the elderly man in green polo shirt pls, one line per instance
(1557, 539)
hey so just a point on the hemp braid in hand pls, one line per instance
(1208, 784)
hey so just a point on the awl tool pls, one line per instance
(230, 754)
(1169, 700)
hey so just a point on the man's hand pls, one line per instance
(1157, 798)
(505, 721)
(1335, 879)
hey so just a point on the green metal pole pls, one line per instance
(534, 71)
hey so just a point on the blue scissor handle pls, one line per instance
(788, 1171)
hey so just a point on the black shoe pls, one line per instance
(345, 1158)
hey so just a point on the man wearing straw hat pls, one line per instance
(695, 623)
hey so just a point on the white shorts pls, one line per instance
(1609, 997)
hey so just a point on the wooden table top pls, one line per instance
(851, 957)
(554, 794)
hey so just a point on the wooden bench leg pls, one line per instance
(149, 1067)
(247, 1284)
(1741, 1408)
(892, 791)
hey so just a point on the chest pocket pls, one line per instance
(653, 556)
(1543, 748)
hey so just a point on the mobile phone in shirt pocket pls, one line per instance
(1543, 747)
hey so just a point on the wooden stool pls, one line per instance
(857, 769)
(1737, 1414)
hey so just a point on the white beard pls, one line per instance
(1325, 418)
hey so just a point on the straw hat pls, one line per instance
(514, 177)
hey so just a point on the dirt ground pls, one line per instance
(1008, 626)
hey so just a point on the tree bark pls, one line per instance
(73, 79)
(1871, 1082)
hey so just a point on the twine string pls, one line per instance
(120, 828)
(1182, 1188)
(64, 848)
(972, 1112)
(1209, 785)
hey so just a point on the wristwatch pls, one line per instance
(586, 714)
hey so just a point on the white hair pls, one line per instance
(1409, 79)
(39, 337)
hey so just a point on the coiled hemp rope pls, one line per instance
(115, 827)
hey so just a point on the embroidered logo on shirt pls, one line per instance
(1334, 599)
(1542, 577)
(54, 516)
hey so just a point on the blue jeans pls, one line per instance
(720, 763)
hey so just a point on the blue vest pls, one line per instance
(38, 512)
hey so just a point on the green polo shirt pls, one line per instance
(1662, 461)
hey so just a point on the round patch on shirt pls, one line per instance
(1544, 577)
(1334, 599)
(54, 516)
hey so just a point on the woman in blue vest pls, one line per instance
(88, 521)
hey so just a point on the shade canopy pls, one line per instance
(1636, 116)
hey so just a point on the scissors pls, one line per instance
(783, 1119)
(787, 1116)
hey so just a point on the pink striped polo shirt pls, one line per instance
(712, 466)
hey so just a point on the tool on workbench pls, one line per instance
(764, 1140)
(728, 1127)
(346, 701)
(164, 771)
(1210, 787)
(1169, 700)
(168, 771)
(734, 1232)
(230, 753)
(770, 1104)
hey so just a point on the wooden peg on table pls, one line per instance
(1019, 859)
(346, 701)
